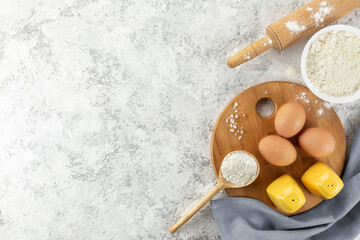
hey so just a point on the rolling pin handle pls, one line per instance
(250, 52)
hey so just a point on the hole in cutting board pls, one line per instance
(265, 107)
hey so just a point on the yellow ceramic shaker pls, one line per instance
(286, 194)
(322, 181)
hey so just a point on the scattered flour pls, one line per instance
(233, 120)
(327, 105)
(303, 96)
(294, 27)
(239, 168)
(320, 111)
(247, 56)
(333, 63)
(321, 108)
(319, 16)
(324, 109)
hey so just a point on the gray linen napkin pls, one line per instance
(337, 218)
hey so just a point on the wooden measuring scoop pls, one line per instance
(221, 184)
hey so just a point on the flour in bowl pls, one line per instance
(239, 168)
(333, 63)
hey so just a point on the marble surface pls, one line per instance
(107, 109)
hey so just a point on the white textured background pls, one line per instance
(107, 108)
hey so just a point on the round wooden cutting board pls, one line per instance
(251, 128)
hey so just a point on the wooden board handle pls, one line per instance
(250, 52)
(219, 186)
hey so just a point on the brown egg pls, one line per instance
(317, 142)
(290, 119)
(277, 150)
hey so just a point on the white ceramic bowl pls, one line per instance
(314, 89)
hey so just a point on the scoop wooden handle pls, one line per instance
(219, 186)
(250, 52)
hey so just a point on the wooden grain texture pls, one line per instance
(282, 38)
(256, 127)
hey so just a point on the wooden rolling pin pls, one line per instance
(297, 25)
